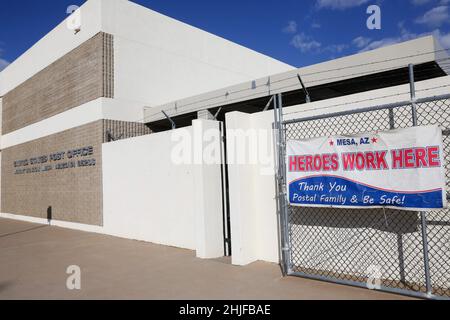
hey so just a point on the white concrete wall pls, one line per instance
(146, 196)
(101, 108)
(84, 114)
(159, 59)
(252, 190)
(1, 121)
(1, 117)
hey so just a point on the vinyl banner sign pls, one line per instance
(402, 169)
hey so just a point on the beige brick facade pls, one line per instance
(62, 172)
(84, 74)
(74, 194)
(118, 130)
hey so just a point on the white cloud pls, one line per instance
(383, 43)
(335, 48)
(444, 38)
(405, 35)
(339, 4)
(305, 43)
(361, 42)
(435, 17)
(3, 64)
(291, 28)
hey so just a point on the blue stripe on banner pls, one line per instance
(338, 191)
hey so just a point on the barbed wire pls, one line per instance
(281, 88)
(207, 106)
(177, 107)
(369, 99)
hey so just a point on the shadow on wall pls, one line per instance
(21, 231)
(393, 221)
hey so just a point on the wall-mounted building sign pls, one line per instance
(402, 169)
(56, 161)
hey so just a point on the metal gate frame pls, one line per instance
(280, 127)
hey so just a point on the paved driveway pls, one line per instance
(34, 259)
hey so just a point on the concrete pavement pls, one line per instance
(34, 259)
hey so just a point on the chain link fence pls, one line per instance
(357, 246)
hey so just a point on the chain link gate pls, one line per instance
(350, 246)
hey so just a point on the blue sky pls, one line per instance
(298, 32)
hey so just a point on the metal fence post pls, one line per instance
(284, 225)
(412, 89)
(283, 194)
(277, 126)
(423, 216)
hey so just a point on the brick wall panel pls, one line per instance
(74, 194)
(82, 75)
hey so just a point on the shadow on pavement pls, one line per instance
(22, 231)
(5, 285)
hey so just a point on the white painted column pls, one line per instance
(243, 214)
(208, 189)
(205, 115)
(1, 128)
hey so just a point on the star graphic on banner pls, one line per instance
(374, 140)
(331, 143)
